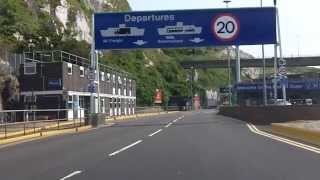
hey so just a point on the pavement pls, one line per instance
(185, 145)
(306, 131)
(310, 125)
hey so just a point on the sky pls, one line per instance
(299, 21)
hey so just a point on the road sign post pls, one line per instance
(92, 66)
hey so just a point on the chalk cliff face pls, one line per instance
(74, 16)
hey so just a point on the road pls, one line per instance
(185, 145)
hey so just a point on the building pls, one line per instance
(299, 87)
(60, 80)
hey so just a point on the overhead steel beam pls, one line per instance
(246, 63)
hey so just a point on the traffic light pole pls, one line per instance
(92, 68)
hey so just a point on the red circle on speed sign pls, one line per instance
(225, 27)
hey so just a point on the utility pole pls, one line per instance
(282, 61)
(229, 63)
(265, 99)
(191, 86)
(238, 65)
(98, 80)
(92, 69)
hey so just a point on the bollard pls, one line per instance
(74, 124)
(24, 128)
(41, 129)
(34, 127)
(80, 119)
(5, 128)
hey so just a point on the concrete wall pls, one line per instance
(272, 114)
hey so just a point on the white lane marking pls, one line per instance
(150, 135)
(125, 148)
(175, 120)
(70, 175)
(108, 125)
(168, 125)
(284, 140)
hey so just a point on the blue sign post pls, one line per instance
(185, 28)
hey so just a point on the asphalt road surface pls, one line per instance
(181, 146)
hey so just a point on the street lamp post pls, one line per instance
(229, 62)
(265, 99)
(191, 85)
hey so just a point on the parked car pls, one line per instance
(280, 102)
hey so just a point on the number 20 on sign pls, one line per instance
(226, 27)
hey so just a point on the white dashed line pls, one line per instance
(168, 125)
(284, 140)
(150, 135)
(70, 175)
(125, 148)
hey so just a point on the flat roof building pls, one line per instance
(60, 80)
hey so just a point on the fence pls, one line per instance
(158, 109)
(15, 123)
(23, 122)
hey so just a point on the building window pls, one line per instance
(114, 78)
(102, 76)
(69, 69)
(102, 106)
(130, 83)
(30, 68)
(81, 71)
(119, 80)
(108, 77)
(70, 102)
(81, 102)
(30, 99)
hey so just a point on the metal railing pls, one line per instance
(158, 109)
(15, 123)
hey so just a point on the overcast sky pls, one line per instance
(300, 21)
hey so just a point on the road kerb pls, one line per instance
(133, 117)
(306, 135)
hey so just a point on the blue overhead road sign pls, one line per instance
(185, 28)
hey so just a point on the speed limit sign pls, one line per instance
(226, 27)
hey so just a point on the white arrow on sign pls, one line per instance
(197, 40)
(140, 42)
